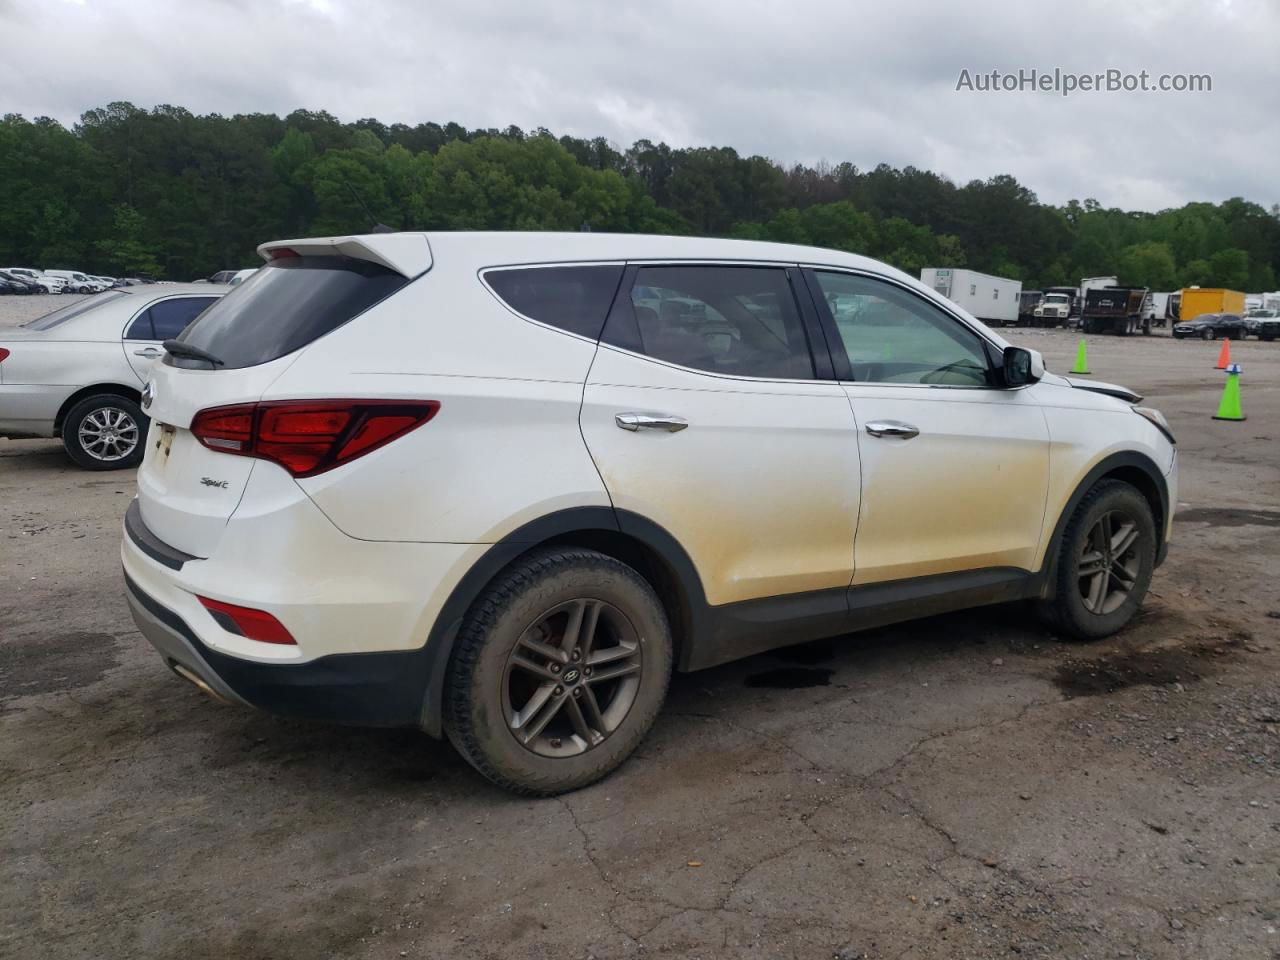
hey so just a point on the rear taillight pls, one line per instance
(3, 354)
(307, 437)
(247, 622)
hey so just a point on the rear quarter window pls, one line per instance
(284, 306)
(575, 299)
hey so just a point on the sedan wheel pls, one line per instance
(104, 432)
(1208, 333)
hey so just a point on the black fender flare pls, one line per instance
(1125, 460)
(443, 634)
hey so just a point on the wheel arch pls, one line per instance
(1134, 468)
(625, 536)
(108, 389)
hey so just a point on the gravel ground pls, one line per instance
(16, 310)
(966, 786)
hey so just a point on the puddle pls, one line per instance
(807, 653)
(791, 678)
(54, 664)
(1229, 517)
(1151, 668)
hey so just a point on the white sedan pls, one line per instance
(77, 373)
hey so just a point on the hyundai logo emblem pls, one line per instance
(148, 394)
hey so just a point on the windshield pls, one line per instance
(1055, 298)
(50, 320)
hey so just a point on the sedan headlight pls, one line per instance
(1157, 419)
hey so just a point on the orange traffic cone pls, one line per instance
(1224, 355)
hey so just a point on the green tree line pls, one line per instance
(177, 195)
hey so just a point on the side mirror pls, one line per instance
(1021, 367)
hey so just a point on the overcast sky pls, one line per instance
(802, 80)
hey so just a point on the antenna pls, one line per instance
(378, 227)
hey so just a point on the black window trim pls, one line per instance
(817, 344)
(151, 303)
(482, 272)
(839, 355)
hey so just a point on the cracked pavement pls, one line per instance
(961, 787)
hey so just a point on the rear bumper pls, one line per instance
(367, 689)
(360, 611)
(30, 410)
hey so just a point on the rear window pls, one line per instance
(71, 310)
(575, 299)
(285, 306)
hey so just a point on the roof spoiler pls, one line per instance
(408, 254)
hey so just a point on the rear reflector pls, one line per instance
(247, 622)
(308, 437)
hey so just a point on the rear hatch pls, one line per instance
(189, 488)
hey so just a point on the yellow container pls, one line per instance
(1200, 300)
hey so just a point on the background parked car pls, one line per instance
(76, 281)
(1210, 326)
(1265, 324)
(46, 284)
(18, 284)
(77, 373)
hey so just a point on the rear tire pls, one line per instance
(105, 432)
(522, 706)
(1104, 563)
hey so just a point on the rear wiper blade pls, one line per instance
(180, 349)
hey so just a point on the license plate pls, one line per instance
(165, 441)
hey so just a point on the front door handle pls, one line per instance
(651, 421)
(150, 353)
(892, 428)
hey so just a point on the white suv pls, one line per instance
(496, 486)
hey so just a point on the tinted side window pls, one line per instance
(170, 317)
(141, 328)
(739, 321)
(893, 336)
(570, 298)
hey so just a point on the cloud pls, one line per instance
(862, 82)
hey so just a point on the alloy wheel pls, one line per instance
(108, 434)
(1109, 563)
(572, 678)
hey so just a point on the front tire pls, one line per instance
(1209, 334)
(105, 432)
(1105, 562)
(559, 671)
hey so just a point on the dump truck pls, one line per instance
(1114, 309)
(993, 300)
(1196, 301)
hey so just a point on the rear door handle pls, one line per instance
(150, 353)
(892, 428)
(651, 421)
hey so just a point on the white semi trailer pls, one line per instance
(993, 300)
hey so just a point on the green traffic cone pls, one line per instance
(1229, 408)
(1082, 360)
